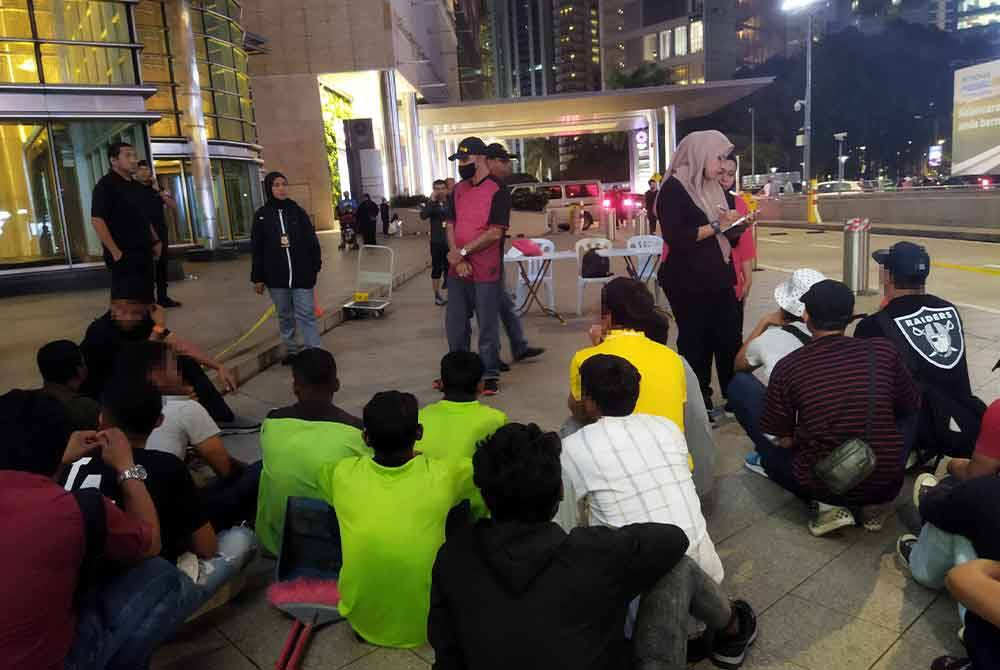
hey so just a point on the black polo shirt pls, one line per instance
(124, 206)
(154, 208)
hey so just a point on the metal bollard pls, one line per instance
(643, 224)
(857, 250)
(612, 223)
(550, 220)
(756, 247)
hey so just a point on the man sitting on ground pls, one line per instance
(55, 614)
(985, 459)
(632, 468)
(63, 373)
(775, 336)
(517, 591)
(297, 441)
(454, 426)
(976, 584)
(134, 317)
(928, 333)
(134, 407)
(392, 511)
(230, 490)
(830, 391)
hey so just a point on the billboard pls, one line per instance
(976, 120)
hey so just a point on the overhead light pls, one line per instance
(28, 65)
(797, 5)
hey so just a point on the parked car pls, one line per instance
(983, 181)
(562, 195)
(834, 187)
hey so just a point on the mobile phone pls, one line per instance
(737, 222)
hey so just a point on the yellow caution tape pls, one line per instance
(268, 313)
(967, 268)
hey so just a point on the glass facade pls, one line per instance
(66, 42)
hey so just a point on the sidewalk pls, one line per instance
(220, 305)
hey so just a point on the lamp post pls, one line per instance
(807, 6)
(753, 146)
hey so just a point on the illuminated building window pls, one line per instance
(665, 43)
(697, 36)
(680, 41)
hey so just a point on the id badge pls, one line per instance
(284, 242)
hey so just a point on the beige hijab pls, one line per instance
(688, 167)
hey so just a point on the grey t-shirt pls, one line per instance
(773, 345)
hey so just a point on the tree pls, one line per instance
(541, 157)
(646, 74)
(603, 157)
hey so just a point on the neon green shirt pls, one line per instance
(294, 451)
(391, 526)
(453, 429)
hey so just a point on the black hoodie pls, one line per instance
(512, 595)
(286, 251)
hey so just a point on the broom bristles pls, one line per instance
(304, 590)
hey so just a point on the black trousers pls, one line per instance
(708, 327)
(233, 502)
(982, 641)
(368, 232)
(208, 395)
(161, 266)
(133, 263)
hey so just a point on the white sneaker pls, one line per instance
(830, 518)
(923, 482)
(874, 516)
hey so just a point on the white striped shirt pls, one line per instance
(634, 469)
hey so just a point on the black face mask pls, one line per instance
(467, 171)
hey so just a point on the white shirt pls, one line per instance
(185, 422)
(773, 345)
(634, 469)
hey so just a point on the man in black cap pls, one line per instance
(479, 215)
(156, 199)
(834, 389)
(927, 331)
(133, 317)
(498, 159)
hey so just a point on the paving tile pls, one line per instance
(390, 659)
(739, 500)
(191, 642)
(757, 659)
(818, 638)
(425, 652)
(938, 626)
(908, 654)
(227, 658)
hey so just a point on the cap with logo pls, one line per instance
(830, 304)
(789, 293)
(497, 150)
(904, 260)
(470, 146)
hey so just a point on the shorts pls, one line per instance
(439, 260)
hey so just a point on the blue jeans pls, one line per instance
(128, 619)
(465, 298)
(237, 547)
(937, 552)
(746, 400)
(296, 309)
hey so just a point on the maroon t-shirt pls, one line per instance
(42, 532)
(476, 207)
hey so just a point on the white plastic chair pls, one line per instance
(646, 267)
(582, 247)
(533, 269)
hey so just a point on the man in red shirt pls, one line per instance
(59, 612)
(478, 219)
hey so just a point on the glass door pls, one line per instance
(170, 175)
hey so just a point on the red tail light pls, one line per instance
(606, 203)
(628, 202)
(985, 182)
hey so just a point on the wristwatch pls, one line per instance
(463, 252)
(134, 472)
(716, 227)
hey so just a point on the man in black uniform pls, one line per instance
(928, 333)
(650, 199)
(118, 213)
(435, 211)
(383, 210)
(367, 216)
(156, 199)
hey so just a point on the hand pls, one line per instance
(81, 443)
(116, 451)
(259, 288)
(596, 334)
(455, 258)
(117, 255)
(729, 217)
(464, 269)
(158, 315)
(227, 379)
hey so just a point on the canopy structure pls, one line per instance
(638, 111)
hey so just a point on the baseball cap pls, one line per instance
(497, 150)
(788, 294)
(470, 146)
(830, 304)
(904, 259)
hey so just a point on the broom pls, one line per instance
(312, 603)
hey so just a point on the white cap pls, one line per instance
(789, 293)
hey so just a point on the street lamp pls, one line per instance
(753, 146)
(794, 7)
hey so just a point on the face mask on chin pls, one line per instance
(467, 171)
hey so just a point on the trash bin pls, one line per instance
(857, 251)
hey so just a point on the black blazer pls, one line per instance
(275, 264)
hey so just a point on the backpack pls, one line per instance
(593, 266)
(95, 532)
(939, 411)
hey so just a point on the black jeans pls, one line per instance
(982, 641)
(233, 501)
(161, 266)
(708, 326)
(133, 263)
(208, 395)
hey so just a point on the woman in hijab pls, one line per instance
(697, 275)
(286, 260)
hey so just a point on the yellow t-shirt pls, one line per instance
(662, 389)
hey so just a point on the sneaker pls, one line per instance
(715, 414)
(923, 483)
(961, 634)
(168, 302)
(491, 387)
(530, 352)
(951, 663)
(873, 517)
(730, 651)
(830, 518)
(904, 547)
(503, 367)
(754, 464)
(439, 301)
(699, 648)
